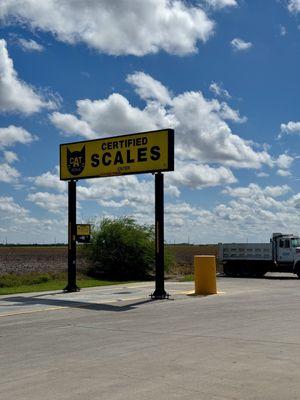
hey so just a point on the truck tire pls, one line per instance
(260, 274)
(247, 271)
(227, 270)
(297, 270)
(230, 269)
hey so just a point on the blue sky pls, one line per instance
(222, 73)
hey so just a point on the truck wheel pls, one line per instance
(228, 270)
(297, 270)
(260, 274)
(247, 271)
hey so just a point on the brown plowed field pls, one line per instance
(21, 260)
(184, 256)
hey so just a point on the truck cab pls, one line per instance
(286, 252)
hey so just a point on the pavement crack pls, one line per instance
(186, 335)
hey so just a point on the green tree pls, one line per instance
(121, 249)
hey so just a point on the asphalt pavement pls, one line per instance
(116, 343)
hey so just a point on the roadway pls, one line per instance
(115, 343)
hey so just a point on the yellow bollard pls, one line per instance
(205, 275)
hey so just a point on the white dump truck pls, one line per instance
(282, 254)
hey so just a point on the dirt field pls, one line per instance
(20, 260)
(184, 256)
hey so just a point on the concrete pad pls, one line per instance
(116, 343)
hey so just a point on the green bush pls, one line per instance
(9, 280)
(37, 278)
(121, 249)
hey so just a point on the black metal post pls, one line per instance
(159, 292)
(72, 286)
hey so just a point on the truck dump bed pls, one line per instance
(245, 251)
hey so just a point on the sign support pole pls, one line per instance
(71, 286)
(159, 292)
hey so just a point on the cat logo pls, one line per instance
(76, 161)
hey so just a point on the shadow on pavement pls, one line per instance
(37, 300)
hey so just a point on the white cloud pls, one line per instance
(144, 27)
(30, 45)
(15, 221)
(127, 191)
(253, 203)
(16, 95)
(56, 203)
(10, 157)
(252, 215)
(230, 114)
(49, 180)
(218, 4)
(9, 137)
(170, 189)
(276, 191)
(294, 201)
(198, 176)
(291, 128)
(13, 134)
(254, 190)
(9, 208)
(240, 45)
(182, 214)
(217, 90)
(284, 161)
(294, 6)
(8, 174)
(283, 30)
(241, 216)
(262, 175)
(182, 208)
(71, 125)
(283, 172)
(202, 135)
(148, 88)
(111, 116)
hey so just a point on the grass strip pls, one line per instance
(13, 284)
(188, 278)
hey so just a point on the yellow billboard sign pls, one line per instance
(118, 155)
(83, 229)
